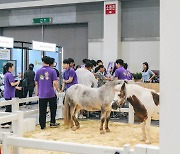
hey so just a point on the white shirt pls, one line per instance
(86, 78)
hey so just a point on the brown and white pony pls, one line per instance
(145, 103)
(80, 97)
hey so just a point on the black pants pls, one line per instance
(43, 108)
(30, 94)
(8, 109)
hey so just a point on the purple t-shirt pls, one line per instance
(123, 74)
(70, 73)
(45, 77)
(9, 91)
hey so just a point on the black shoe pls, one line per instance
(43, 127)
(54, 125)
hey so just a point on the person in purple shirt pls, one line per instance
(46, 81)
(69, 75)
(9, 88)
(121, 73)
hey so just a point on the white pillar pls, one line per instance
(170, 76)
(112, 30)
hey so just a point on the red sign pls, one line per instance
(110, 8)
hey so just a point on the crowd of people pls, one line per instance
(46, 82)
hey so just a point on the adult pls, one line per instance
(29, 75)
(147, 74)
(85, 76)
(46, 81)
(53, 65)
(84, 62)
(69, 76)
(121, 73)
(9, 88)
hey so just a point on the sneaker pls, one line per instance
(54, 125)
(5, 126)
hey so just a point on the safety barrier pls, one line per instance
(18, 142)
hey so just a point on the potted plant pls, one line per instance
(137, 76)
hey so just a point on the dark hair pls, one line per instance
(125, 66)
(6, 67)
(85, 61)
(51, 61)
(99, 61)
(93, 62)
(101, 66)
(120, 61)
(66, 61)
(77, 66)
(71, 60)
(31, 66)
(46, 59)
(147, 67)
(88, 65)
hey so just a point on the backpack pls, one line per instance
(25, 82)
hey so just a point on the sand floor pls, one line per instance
(120, 135)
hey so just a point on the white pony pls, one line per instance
(145, 103)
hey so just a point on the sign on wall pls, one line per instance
(42, 20)
(42, 46)
(6, 42)
(5, 54)
(110, 8)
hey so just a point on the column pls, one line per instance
(112, 30)
(170, 76)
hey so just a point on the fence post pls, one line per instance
(15, 108)
(19, 130)
(5, 148)
(140, 149)
(126, 149)
(131, 114)
(15, 105)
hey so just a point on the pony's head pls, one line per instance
(120, 96)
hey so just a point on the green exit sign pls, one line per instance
(42, 20)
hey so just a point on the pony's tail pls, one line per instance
(67, 114)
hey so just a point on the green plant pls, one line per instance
(137, 75)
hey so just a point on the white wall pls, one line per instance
(95, 49)
(137, 52)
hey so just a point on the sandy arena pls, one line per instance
(89, 133)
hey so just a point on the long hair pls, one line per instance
(147, 67)
(6, 67)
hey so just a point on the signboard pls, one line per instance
(4, 54)
(42, 20)
(110, 8)
(6, 42)
(42, 46)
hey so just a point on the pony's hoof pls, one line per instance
(102, 132)
(73, 129)
(77, 127)
(148, 142)
(107, 130)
